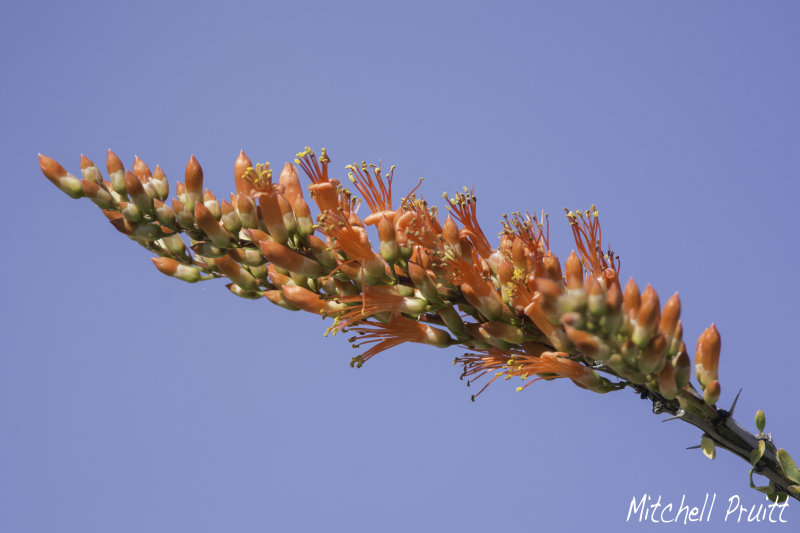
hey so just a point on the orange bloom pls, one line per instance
(374, 300)
(588, 237)
(516, 363)
(463, 207)
(316, 170)
(398, 330)
(376, 189)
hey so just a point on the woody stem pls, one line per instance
(720, 426)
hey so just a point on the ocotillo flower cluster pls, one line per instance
(433, 279)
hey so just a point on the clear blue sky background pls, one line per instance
(132, 402)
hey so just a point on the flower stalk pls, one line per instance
(513, 309)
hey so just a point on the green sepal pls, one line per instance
(794, 488)
(788, 466)
(758, 453)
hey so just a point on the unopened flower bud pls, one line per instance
(667, 386)
(574, 271)
(310, 301)
(206, 249)
(130, 212)
(273, 218)
(505, 332)
(488, 302)
(59, 177)
(650, 309)
(230, 218)
(97, 194)
(683, 369)
(116, 173)
(592, 346)
(160, 184)
(612, 320)
(193, 181)
(141, 170)
(505, 272)
(247, 211)
(291, 183)
(241, 293)
(184, 217)
(164, 214)
(423, 282)
(145, 232)
(288, 215)
(322, 252)
(631, 300)
(706, 360)
(451, 234)
(653, 356)
(386, 234)
(256, 235)
(216, 233)
(137, 193)
(278, 276)
(552, 267)
(646, 318)
(174, 243)
(240, 167)
(276, 296)
(305, 224)
(711, 392)
(595, 298)
(173, 268)
(89, 171)
(236, 273)
(519, 256)
(211, 203)
(675, 343)
(283, 257)
(670, 316)
(247, 256)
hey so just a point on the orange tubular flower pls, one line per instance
(376, 300)
(397, 330)
(463, 207)
(479, 292)
(530, 241)
(515, 363)
(267, 193)
(588, 237)
(420, 226)
(310, 301)
(317, 171)
(376, 193)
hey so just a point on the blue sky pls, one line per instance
(133, 402)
